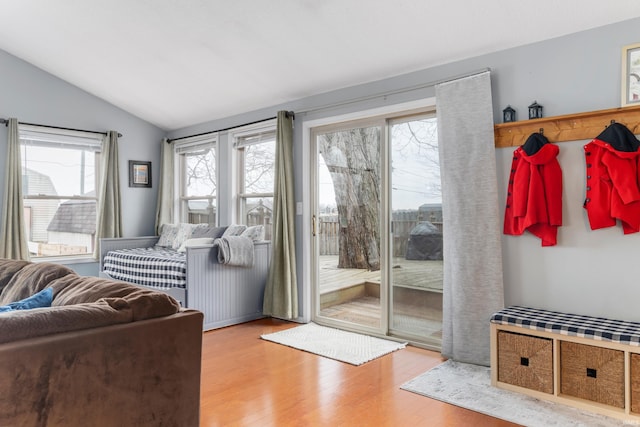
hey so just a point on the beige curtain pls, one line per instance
(164, 210)
(472, 282)
(14, 238)
(109, 216)
(281, 293)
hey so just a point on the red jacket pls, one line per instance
(534, 195)
(612, 190)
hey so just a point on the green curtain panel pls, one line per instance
(164, 211)
(281, 292)
(472, 279)
(14, 238)
(109, 214)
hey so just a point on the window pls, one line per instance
(197, 177)
(60, 173)
(256, 166)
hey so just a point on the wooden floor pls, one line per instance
(247, 381)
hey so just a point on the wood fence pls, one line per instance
(329, 232)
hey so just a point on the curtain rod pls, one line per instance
(393, 92)
(288, 114)
(6, 121)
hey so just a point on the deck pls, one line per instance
(352, 295)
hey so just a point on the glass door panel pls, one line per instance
(347, 227)
(416, 225)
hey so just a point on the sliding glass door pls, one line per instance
(347, 226)
(416, 230)
(377, 227)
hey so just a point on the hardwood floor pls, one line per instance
(247, 381)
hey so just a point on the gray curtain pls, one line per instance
(472, 288)
(14, 238)
(109, 215)
(281, 293)
(164, 210)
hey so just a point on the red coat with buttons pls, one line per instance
(534, 195)
(612, 192)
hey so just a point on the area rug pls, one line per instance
(469, 386)
(344, 346)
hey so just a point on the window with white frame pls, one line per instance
(60, 176)
(197, 180)
(256, 151)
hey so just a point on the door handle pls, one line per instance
(313, 226)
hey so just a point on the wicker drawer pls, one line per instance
(635, 383)
(525, 361)
(592, 373)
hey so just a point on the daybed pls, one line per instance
(104, 353)
(184, 264)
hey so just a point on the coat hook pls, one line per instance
(541, 131)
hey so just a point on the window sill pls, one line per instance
(66, 259)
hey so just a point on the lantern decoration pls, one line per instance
(508, 114)
(535, 110)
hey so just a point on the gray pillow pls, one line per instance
(207, 232)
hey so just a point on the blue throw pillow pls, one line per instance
(44, 298)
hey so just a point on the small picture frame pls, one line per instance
(139, 174)
(631, 75)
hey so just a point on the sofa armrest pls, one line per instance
(144, 373)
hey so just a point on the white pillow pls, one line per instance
(168, 234)
(255, 233)
(195, 242)
(234, 230)
(183, 233)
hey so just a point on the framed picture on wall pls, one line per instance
(139, 174)
(631, 75)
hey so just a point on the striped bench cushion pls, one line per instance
(596, 328)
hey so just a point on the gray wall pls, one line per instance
(34, 96)
(591, 272)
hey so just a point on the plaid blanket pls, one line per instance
(597, 328)
(157, 267)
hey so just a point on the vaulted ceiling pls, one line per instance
(177, 63)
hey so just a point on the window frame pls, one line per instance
(180, 149)
(240, 138)
(53, 137)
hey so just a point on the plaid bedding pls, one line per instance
(157, 267)
(596, 328)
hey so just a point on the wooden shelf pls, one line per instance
(570, 127)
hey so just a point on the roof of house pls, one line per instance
(75, 216)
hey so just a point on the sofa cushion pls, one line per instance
(145, 303)
(23, 324)
(31, 279)
(38, 300)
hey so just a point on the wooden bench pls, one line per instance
(587, 362)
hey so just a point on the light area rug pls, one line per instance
(336, 344)
(469, 386)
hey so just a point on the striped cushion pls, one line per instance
(596, 328)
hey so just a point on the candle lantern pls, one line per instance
(535, 110)
(508, 114)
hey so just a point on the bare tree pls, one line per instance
(353, 159)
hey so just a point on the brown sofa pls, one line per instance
(105, 353)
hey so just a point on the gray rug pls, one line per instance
(469, 386)
(344, 346)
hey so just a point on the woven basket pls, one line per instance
(592, 373)
(635, 383)
(525, 361)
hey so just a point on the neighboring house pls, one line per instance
(73, 227)
(38, 213)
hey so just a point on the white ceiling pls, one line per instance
(177, 63)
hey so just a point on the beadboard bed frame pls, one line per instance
(227, 295)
